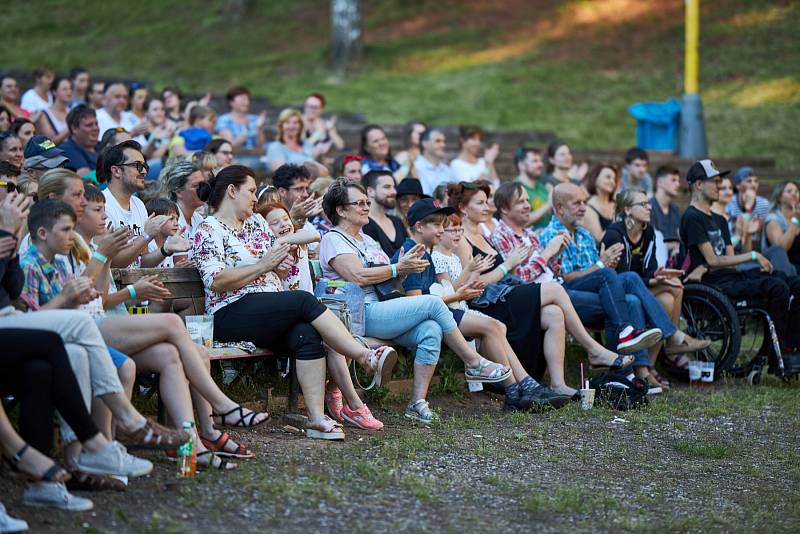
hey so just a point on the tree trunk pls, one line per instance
(345, 34)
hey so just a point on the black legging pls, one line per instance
(34, 367)
(522, 314)
(279, 321)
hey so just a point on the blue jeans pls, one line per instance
(605, 283)
(413, 322)
(653, 310)
(592, 315)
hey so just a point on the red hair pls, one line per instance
(269, 206)
(461, 193)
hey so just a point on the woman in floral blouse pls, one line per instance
(242, 266)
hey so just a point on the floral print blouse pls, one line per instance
(217, 247)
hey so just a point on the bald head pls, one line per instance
(116, 99)
(569, 204)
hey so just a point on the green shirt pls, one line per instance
(538, 196)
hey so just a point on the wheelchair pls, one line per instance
(742, 334)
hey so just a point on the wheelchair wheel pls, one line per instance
(708, 314)
(756, 345)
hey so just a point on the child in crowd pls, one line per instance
(194, 138)
(279, 221)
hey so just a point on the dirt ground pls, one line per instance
(721, 459)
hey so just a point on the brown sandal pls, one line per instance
(152, 436)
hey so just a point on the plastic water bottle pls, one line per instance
(187, 454)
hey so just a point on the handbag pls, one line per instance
(388, 290)
(340, 310)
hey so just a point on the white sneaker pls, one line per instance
(11, 524)
(54, 494)
(113, 460)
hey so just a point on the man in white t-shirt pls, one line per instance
(113, 114)
(125, 168)
(431, 167)
(39, 97)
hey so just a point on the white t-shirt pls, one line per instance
(33, 102)
(127, 120)
(133, 218)
(469, 172)
(197, 218)
(333, 244)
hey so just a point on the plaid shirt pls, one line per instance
(580, 254)
(504, 240)
(43, 279)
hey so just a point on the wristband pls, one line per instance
(600, 264)
(503, 269)
(753, 255)
(735, 240)
(99, 257)
(394, 270)
(131, 291)
(164, 252)
(746, 216)
(796, 220)
(147, 237)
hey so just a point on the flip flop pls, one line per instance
(328, 430)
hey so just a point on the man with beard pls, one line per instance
(387, 230)
(125, 168)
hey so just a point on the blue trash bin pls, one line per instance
(657, 124)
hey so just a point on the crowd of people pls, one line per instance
(425, 253)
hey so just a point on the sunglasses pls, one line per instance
(140, 166)
(11, 187)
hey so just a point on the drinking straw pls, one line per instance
(582, 373)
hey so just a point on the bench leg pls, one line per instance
(294, 387)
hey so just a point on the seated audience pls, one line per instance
(406, 158)
(388, 230)
(638, 238)
(180, 182)
(242, 266)
(560, 168)
(469, 166)
(9, 179)
(80, 145)
(222, 149)
(97, 95)
(9, 97)
(41, 155)
(199, 133)
(156, 140)
(347, 166)
(707, 239)
(52, 122)
(320, 132)
(748, 202)
(742, 227)
(665, 216)
(114, 112)
(38, 98)
(531, 169)
(5, 119)
(601, 183)
(634, 172)
(242, 129)
(24, 129)
(782, 223)
(290, 147)
(81, 82)
(11, 149)
(419, 322)
(432, 169)
(376, 151)
(488, 226)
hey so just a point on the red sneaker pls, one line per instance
(638, 339)
(361, 418)
(334, 403)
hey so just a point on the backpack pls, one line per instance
(619, 393)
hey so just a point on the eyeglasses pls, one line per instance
(11, 187)
(140, 166)
(456, 231)
(360, 203)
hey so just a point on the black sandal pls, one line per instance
(223, 463)
(616, 365)
(245, 421)
(55, 473)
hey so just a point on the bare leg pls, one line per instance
(336, 336)
(33, 461)
(337, 367)
(133, 334)
(493, 343)
(422, 379)
(552, 321)
(311, 375)
(553, 293)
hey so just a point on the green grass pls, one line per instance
(571, 67)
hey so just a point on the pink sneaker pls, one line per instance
(361, 418)
(333, 401)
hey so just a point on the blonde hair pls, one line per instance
(285, 115)
(24, 183)
(205, 161)
(320, 186)
(54, 182)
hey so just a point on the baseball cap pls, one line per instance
(703, 170)
(424, 207)
(742, 173)
(42, 152)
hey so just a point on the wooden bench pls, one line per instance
(185, 283)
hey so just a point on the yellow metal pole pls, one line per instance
(691, 62)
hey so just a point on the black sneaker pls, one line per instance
(541, 398)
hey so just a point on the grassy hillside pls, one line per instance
(572, 66)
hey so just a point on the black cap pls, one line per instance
(703, 170)
(424, 207)
(41, 151)
(411, 186)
